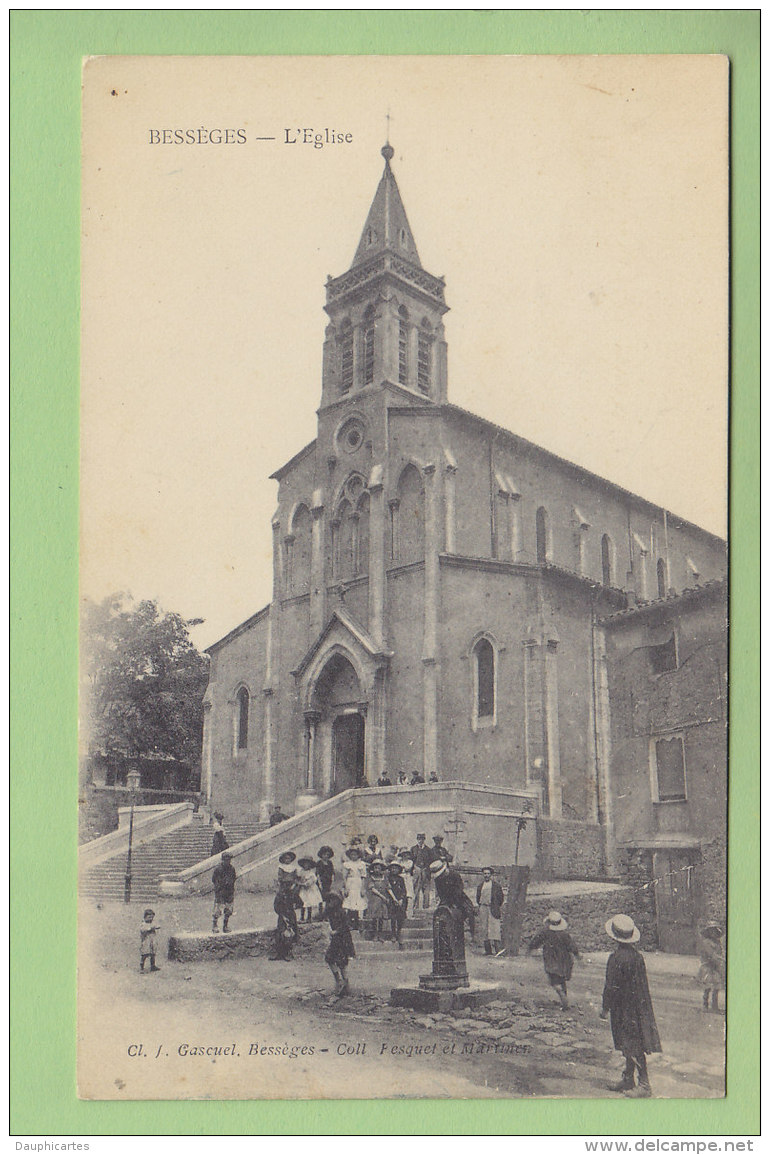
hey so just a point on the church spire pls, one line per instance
(387, 228)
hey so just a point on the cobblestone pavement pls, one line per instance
(236, 1029)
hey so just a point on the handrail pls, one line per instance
(146, 827)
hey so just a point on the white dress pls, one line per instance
(408, 877)
(354, 874)
(309, 893)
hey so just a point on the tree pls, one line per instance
(143, 682)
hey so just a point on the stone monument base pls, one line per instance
(424, 999)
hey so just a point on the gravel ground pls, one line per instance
(237, 1029)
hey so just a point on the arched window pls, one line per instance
(368, 346)
(410, 511)
(484, 684)
(403, 346)
(661, 577)
(424, 357)
(543, 551)
(607, 552)
(242, 719)
(346, 356)
(343, 554)
(300, 551)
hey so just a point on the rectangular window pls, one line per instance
(663, 656)
(424, 361)
(669, 769)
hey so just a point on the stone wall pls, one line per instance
(635, 868)
(568, 850)
(587, 913)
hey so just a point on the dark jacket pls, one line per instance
(218, 843)
(627, 998)
(558, 949)
(224, 877)
(496, 905)
(422, 855)
(397, 898)
(341, 948)
(437, 852)
(325, 871)
(276, 817)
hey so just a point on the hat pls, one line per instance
(352, 852)
(287, 857)
(437, 867)
(218, 815)
(377, 864)
(554, 921)
(306, 863)
(406, 854)
(326, 852)
(622, 928)
(438, 838)
(150, 912)
(396, 866)
(712, 930)
(226, 856)
(420, 835)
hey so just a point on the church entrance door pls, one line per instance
(347, 752)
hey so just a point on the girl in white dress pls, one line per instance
(354, 876)
(406, 860)
(309, 893)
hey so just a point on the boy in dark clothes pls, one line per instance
(223, 878)
(286, 932)
(340, 950)
(325, 872)
(628, 1003)
(397, 901)
(558, 949)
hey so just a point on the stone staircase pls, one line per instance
(167, 854)
(416, 935)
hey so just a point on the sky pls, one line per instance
(577, 206)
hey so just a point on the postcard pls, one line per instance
(404, 577)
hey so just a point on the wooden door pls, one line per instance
(676, 900)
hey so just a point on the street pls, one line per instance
(250, 1028)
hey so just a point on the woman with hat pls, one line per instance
(397, 900)
(219, 842)
(712, 965)
(309, 894)
(558, 951)
(627, 1001)
(353, 874)
(324, 869)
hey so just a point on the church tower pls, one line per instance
(385, 311)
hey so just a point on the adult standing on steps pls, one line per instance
(277, 816)
(219, 842)
(422, 857)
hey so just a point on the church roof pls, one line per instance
(387, 227)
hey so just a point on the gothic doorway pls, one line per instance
(347, 752)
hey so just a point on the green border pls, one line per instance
(46, 52)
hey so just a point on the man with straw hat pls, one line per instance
(627, 1001)
(558, 949)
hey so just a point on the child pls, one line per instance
(223, 878)
(354, 872)
(309, 894)
(397, 901)
(147, 931)
(377, 909)
(325, 874)
(340, 950)
(627, 1001)
(286, 932)
(712, 965)
(558, 949)
(407, 863)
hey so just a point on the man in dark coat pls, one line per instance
(422, 857)
(627, 1001)
(277, 816)
(489, 900)
(223, 878)
(219, 841)
(438, 850)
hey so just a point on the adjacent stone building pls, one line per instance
(441, 587)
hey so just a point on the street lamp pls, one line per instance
(133, 778)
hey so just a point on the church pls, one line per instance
(441, 587)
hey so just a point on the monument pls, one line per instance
(448, 986)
